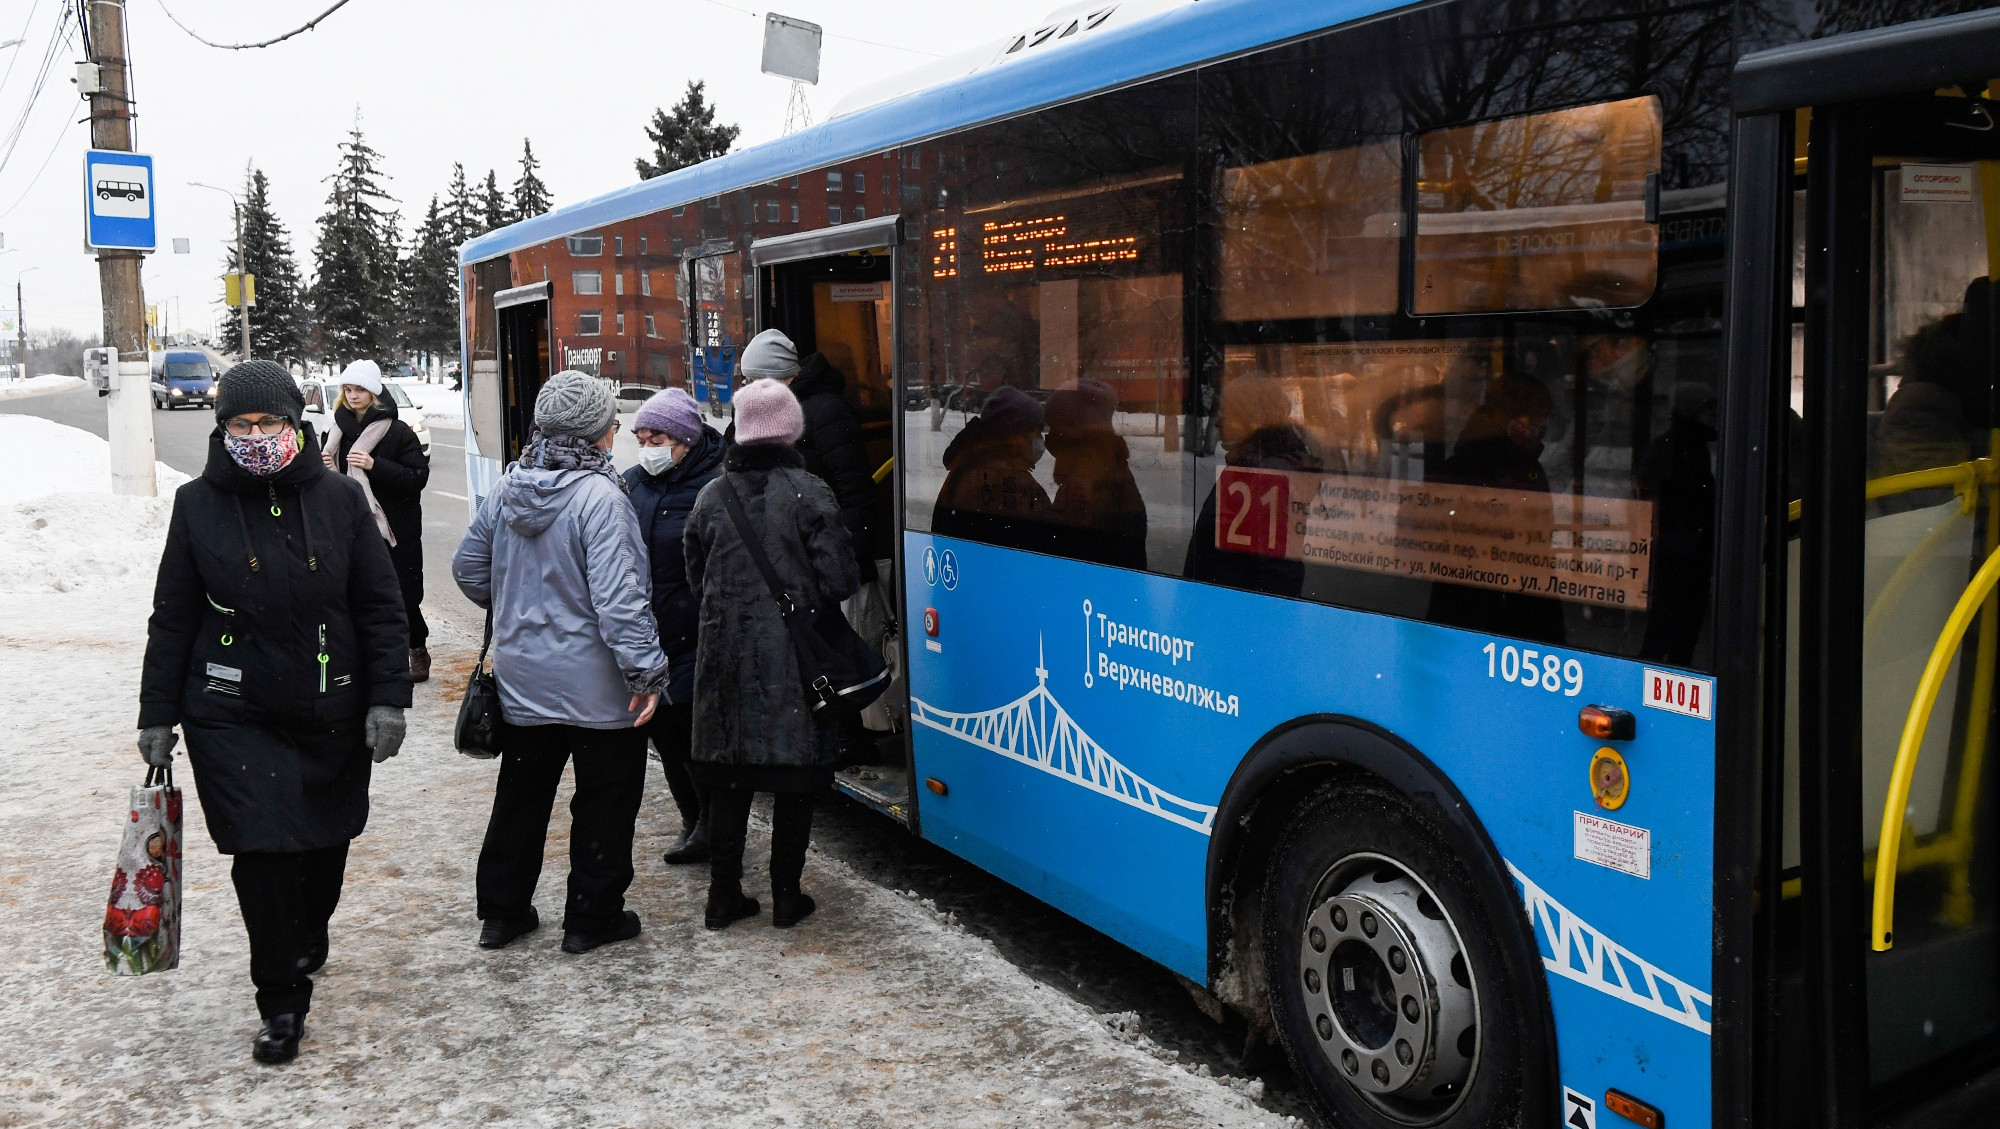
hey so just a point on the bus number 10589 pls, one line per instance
(1532, 668)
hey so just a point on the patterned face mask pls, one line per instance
(263, 455)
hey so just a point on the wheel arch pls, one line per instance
(1284, 768)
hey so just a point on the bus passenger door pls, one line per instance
(526, 356)
(1889, 920)
(832, 291)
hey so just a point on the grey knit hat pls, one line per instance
(259, 386)
(770, 353)
(574, 403)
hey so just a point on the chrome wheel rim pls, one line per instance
(1389, 989)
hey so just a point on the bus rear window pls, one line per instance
(1539, 212)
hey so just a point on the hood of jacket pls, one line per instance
(817, 376)
(531, 498)
(222, 472)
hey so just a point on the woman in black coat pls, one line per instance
(678, 455)
(392, 467)
(754, 730)
(278, 646)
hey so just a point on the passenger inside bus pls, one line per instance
(1097, 510)
(1678, 472)
(1257, 431)
(1500, 446)
(990, 493)
(1937, 415)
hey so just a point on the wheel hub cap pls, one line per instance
(1386, 981)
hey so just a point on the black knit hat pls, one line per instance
(259, 386)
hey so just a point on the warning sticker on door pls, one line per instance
(1939, 184)
(1619, 846)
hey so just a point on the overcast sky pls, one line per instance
(435, 81)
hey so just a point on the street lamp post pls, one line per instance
(242, 283)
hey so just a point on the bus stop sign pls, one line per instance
(118, 200)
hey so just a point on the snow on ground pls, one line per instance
(441, 404)
(874, 1012)
(40, 456)
(38, 385)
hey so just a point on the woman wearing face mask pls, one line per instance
(370, 445)
(277, 644)
(678, 455)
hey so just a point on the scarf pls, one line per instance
(569, 452)
(370, 435)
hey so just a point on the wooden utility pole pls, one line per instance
(124, 297)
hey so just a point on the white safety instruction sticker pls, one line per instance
(1939, 184)
(1619, 846)
(1579, 1112)
(1678, 693)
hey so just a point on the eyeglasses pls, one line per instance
(269, 425)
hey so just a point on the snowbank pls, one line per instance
(42, 385)
(39, 456)
(441, 404)
(61, 528)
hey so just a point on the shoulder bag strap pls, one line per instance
(486, 642)
(788, 610)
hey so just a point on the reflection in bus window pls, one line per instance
(1046, 392)
(1312, 236)
(1539, 212)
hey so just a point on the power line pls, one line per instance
(45, 167)
(302, 29)
(829, 34)
(57, 41)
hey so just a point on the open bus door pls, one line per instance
(1877, 160)
(526, 347)
(832, 291)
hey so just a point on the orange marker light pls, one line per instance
(1632, 1109)
(936, 785)
(1606, 724)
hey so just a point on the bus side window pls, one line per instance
(1049, 346)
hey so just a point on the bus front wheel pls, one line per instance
(1389, 992)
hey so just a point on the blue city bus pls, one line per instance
(1466, 531)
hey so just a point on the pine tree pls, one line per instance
(686, 134)
(461, 214)
(430, 285)
(354, 291)
(492, 205)
(279, 321)
(531, 196)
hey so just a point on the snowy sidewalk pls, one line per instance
(870, 1013)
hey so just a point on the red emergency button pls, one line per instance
(931, 622)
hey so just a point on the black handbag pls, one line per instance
(478, 731)
(842, 673)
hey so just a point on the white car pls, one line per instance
(323, 396)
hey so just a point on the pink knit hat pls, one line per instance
(767, 412)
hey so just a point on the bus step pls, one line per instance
(886, 788)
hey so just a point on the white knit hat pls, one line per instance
(363, 374)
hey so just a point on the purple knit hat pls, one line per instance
(767, 412)
(671, 412)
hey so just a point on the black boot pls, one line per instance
(726, 907)
(578, 941)
(693, 846)
(500, 932)
(278, 1040)
(789, 907)
(316, 956)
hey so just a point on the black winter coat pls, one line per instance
(834, 449)
(749, 701)
(663, 502)
(399, 476)
(277, 621)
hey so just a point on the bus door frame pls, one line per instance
(1833, 76)
(516, 410)
(884, 233)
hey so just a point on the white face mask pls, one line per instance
(656, 460)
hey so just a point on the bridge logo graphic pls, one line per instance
(1035, 730)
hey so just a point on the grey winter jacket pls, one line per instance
(556, 555)
(749, 701)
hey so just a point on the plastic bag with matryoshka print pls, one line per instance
(142, 919)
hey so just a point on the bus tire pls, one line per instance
(1388, 987)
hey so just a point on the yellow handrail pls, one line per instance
(1964, 478)
(882, 471)
(1882, 934)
